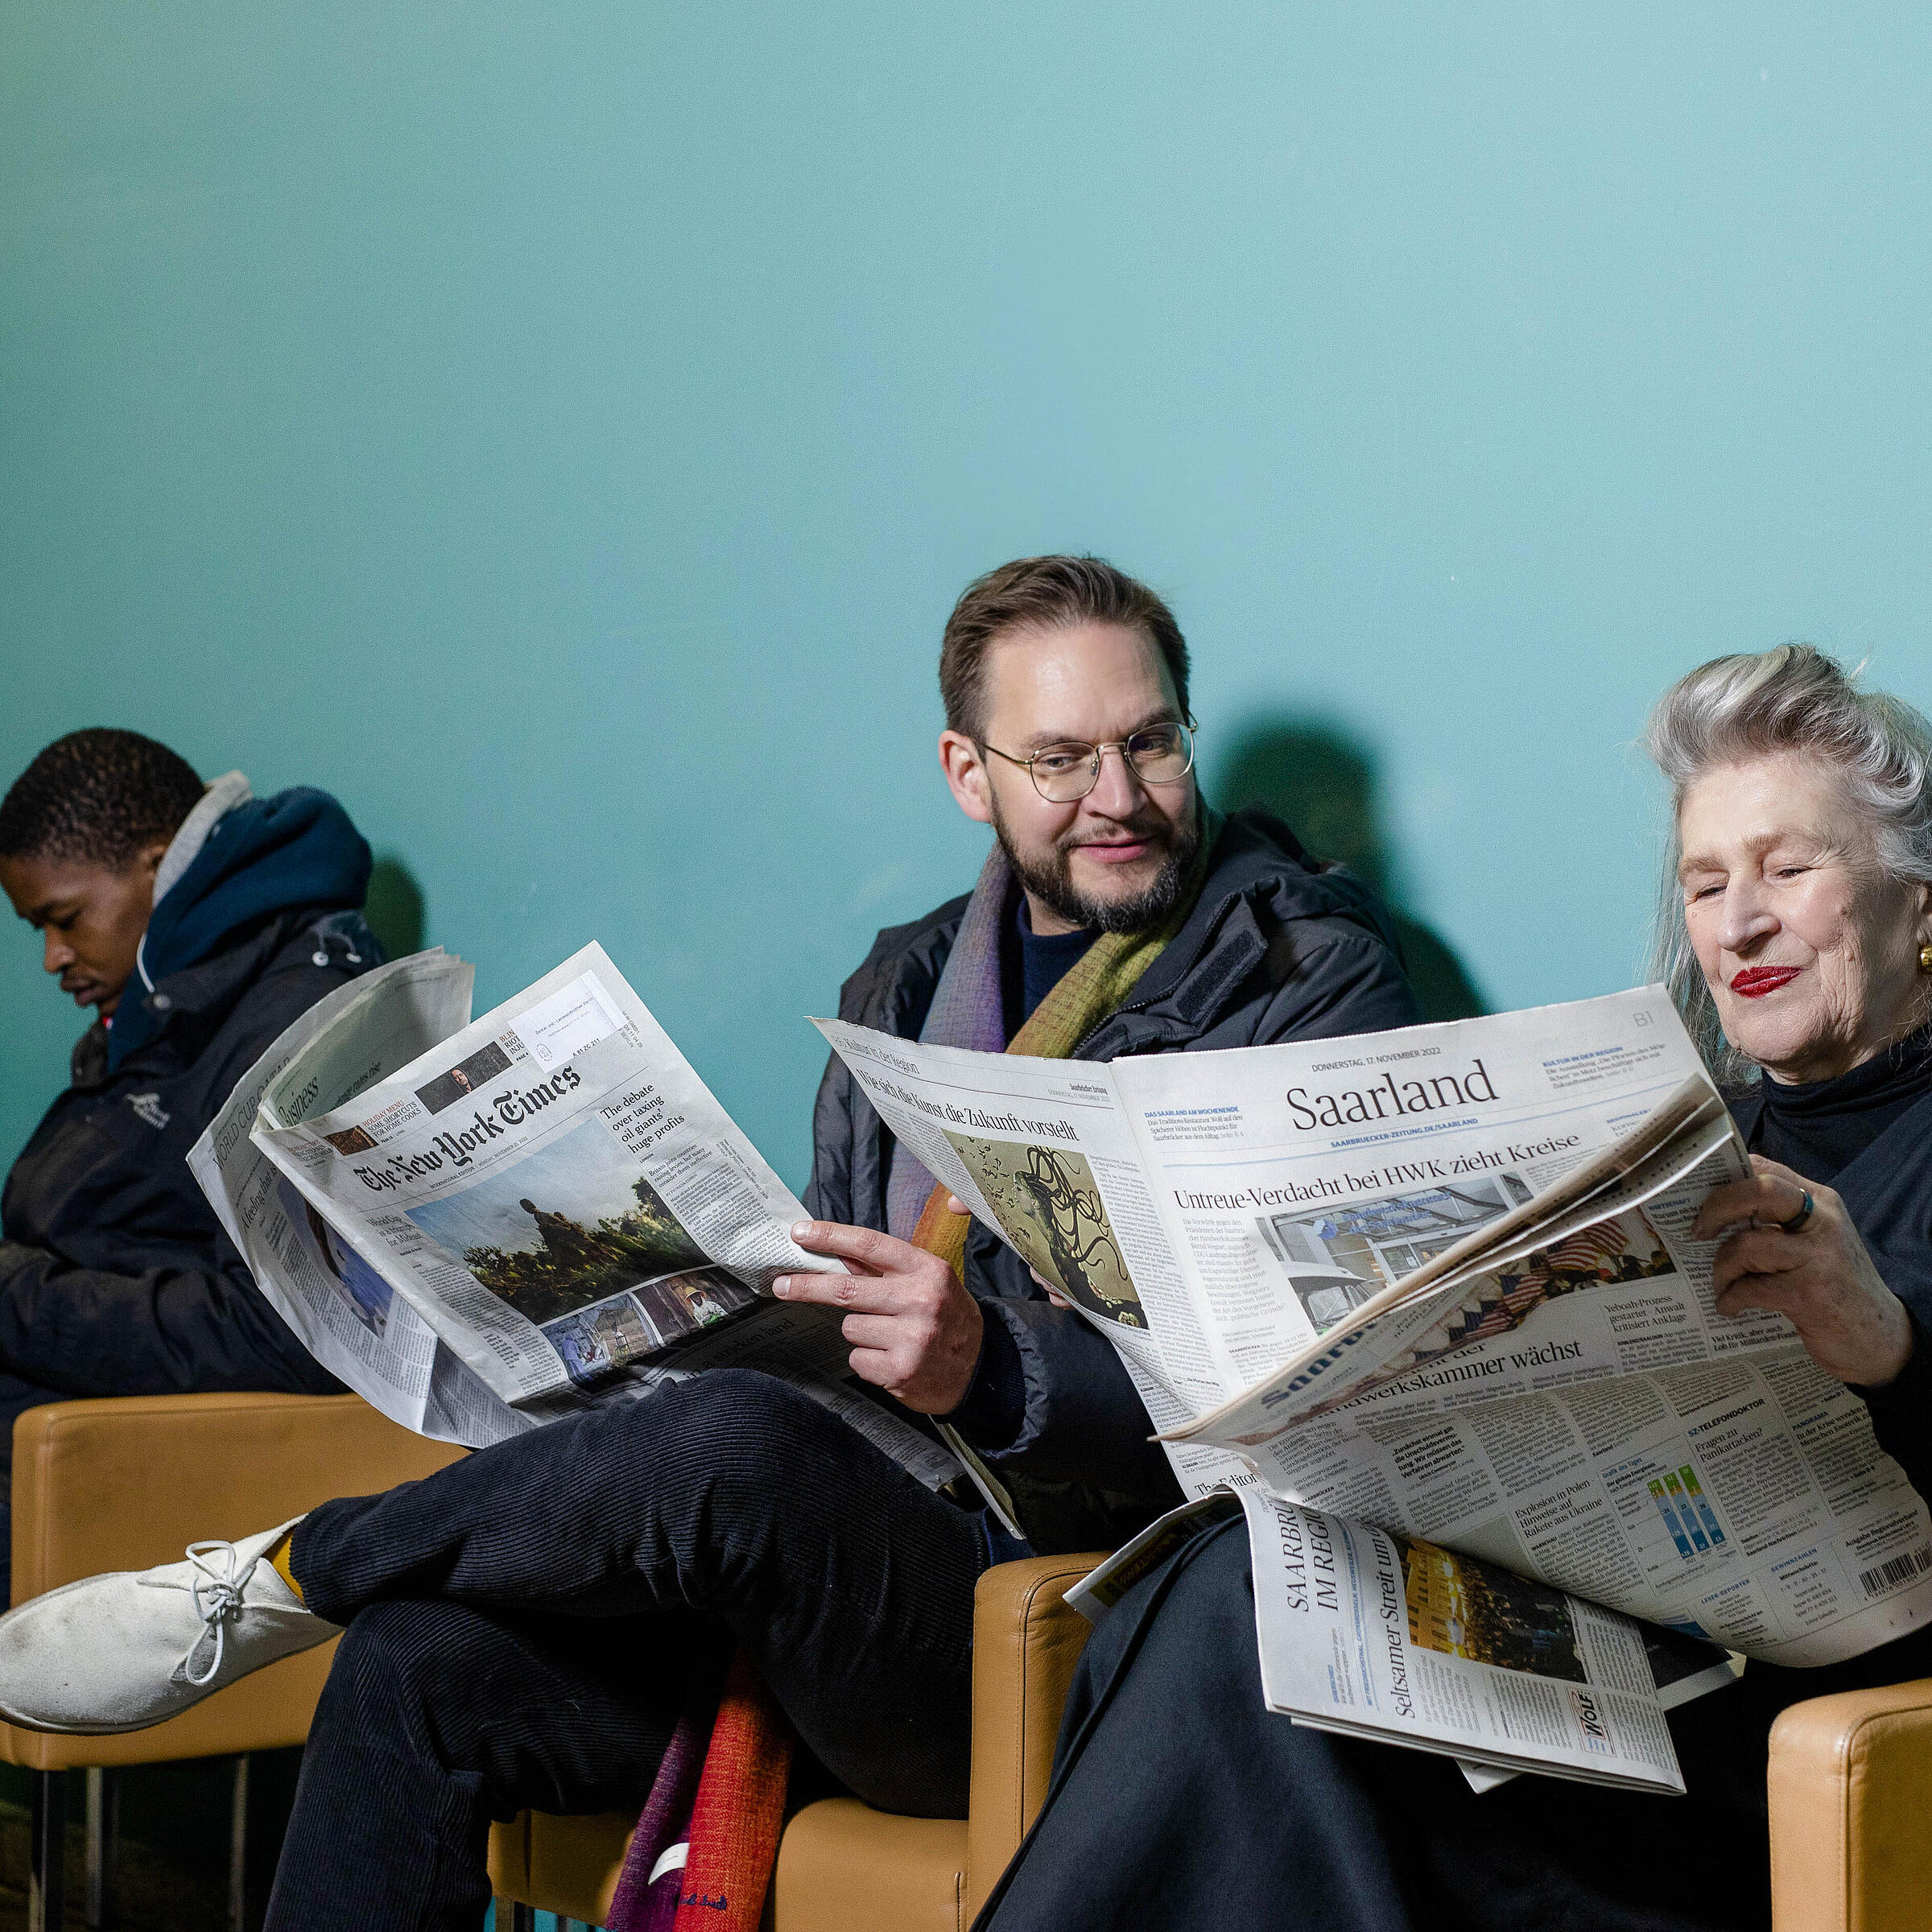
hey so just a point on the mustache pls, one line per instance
(1153, 831)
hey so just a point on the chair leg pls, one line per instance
(103, 1820)
(238, 1848)
(47, 1854)
(522, 1918)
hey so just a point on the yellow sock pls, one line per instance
(278, 1561)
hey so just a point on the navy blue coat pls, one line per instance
(115, 1276)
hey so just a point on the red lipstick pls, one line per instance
(1754, 982)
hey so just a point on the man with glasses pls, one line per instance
(1116, 913)
(524, 1628)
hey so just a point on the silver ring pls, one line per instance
(1803, 1214)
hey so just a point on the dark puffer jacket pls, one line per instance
(1279, 947)
(115, 1276)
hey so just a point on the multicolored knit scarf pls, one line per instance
(719, 1799)
(726, 1817)
(968, 1010)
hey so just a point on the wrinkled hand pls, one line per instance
(914, 1331)
(1821, 1277)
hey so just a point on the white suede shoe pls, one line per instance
(123, 1651)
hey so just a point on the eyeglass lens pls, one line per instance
(1160, 755)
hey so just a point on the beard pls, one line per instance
(1050, 881)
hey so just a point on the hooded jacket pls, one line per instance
(115, 1277)
(1280, 945)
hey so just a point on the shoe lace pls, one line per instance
(218, 1595)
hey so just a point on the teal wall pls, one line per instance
(561, 430)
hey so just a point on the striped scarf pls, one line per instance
(968, 1010)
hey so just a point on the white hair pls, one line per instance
(1792, 699)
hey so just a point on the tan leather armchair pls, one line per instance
(1851, 1791)
(842, 1866)
(125, 1482)
(1850, 1795)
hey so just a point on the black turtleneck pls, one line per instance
(1032, 963)
(1820, 1127)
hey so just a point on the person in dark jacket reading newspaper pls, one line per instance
(196, 922)
(1799, 944)
(493, 1663)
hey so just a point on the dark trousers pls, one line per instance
(524, 1627)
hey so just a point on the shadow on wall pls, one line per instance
(1324, 784)
(395, 907)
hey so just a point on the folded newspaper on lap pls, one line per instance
(1435, 1289)
(481, 1226)
(1378, 1635)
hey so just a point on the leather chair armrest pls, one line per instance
(1851, 1798)
(1025, 1643)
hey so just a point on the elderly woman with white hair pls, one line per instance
(1796, 936)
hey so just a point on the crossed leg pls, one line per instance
(523, 1627)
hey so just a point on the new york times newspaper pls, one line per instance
(481, 1226)
(1439, 1283)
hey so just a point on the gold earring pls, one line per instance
(1925, 958)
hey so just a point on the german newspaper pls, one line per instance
(1436, 1291)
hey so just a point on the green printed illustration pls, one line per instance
(1051, 1210)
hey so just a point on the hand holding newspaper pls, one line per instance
(482, 1226)
(1428, 1301)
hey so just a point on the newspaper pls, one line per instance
(1374, 1634)
(1440, 1283)
(482, 1226)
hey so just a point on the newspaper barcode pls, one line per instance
(1900, 1570)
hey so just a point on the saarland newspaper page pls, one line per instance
(1441, 1280)
(482, 1226)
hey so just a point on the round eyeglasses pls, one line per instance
(1157, 754)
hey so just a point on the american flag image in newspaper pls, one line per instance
(1624, 1249)
(1501, 1302)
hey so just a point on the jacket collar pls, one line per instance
(187, 1008)
(1256, 858)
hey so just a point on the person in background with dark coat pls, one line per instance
(196, 922)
